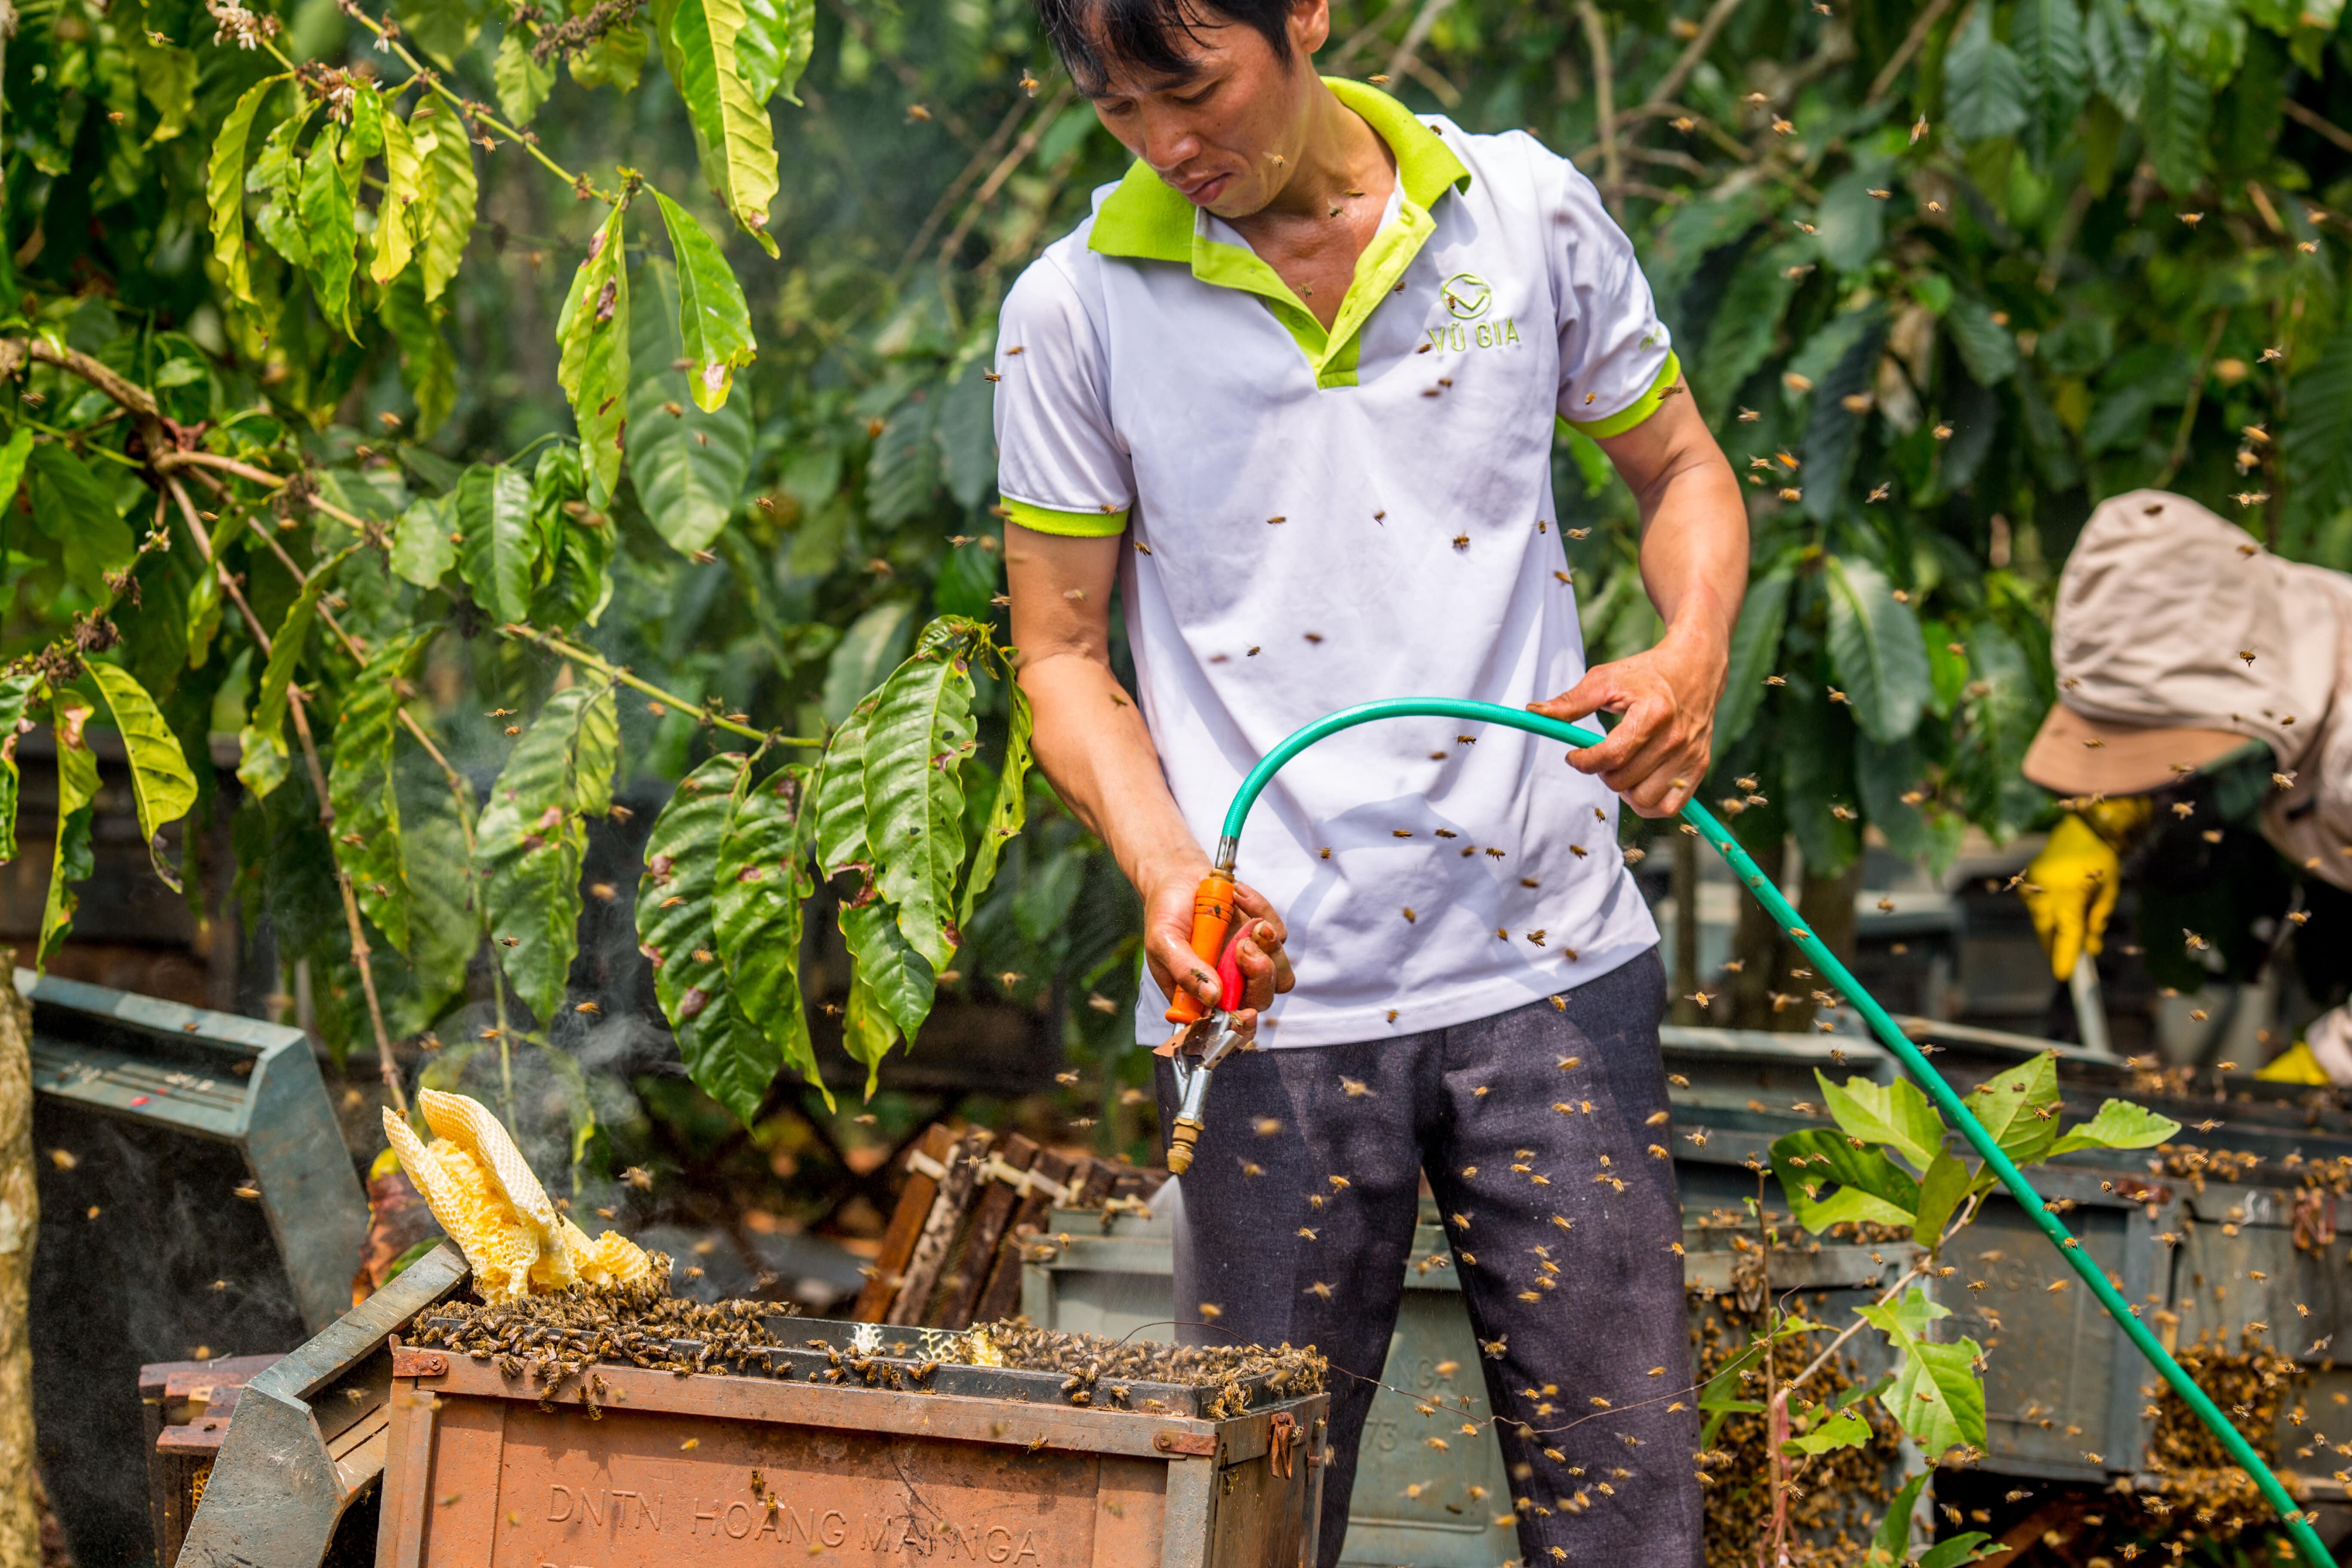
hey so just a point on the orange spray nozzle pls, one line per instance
(1212, 920)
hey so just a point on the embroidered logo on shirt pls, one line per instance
(1467, 295)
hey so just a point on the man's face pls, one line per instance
(1227, 131)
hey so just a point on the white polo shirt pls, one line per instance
(1321, 519)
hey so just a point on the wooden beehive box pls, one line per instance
(953, 1463)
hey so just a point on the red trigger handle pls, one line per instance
(1229, 970)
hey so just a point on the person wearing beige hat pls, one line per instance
(2202, 681)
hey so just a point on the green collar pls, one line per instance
(1149, 219)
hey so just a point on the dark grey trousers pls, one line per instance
(1534, 1128)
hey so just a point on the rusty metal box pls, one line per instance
(961, 1464)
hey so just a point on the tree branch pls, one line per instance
(565, 649)
(1921, 26)
(1604, 93)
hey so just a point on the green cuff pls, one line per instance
(1640, 408)
(1068, 524)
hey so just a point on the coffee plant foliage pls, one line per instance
(490, 415)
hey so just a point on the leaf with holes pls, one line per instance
(72, 859)
(593, 369)
(916, 744)
(763, 883)
(730, 127)
(532, 835)
(676, 909)
(21, 691)
(161, 784)
(714, 324)
(369, 845)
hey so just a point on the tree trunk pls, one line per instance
(20, 1525)
(1762, 953)
(1826, 906)
(1684, 888)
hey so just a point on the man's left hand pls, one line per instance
(1657, 753)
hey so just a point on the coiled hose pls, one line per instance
(1837, 976)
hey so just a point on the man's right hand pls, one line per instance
(1167, 945)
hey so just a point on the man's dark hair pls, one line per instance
(1151, 35)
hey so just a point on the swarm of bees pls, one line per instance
(549, 1341)
(1234, 1371)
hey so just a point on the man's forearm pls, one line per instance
(1091, 743)
(1695, 550)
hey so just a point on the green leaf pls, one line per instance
(166, 72)
(1985, 345)
(523, 82)
(1739, 339)
(773, 47)
(614, 60)
(160, 781)
(21, 690)
(72, 508)
(2176, 113)
(1984, 85)
(904, 472)
(1852, 223)
(2018, 1107)
(14, 455)
(361, 786)
(2001, 709)
(594, 368)
(874, 642)
(901, 980)
(966, 430)
(1898, 1115)
(1010, 809)
(327, 219)
(499, 549)
(916, 740)
(449, 185)
(2052, 55)
(1894, 1530)
(442, 29)
(428, 367)
(690, 466)
(1755, 647)
(1941, 1192)
(532, 834)
(422, 549)
(2119, 1124)
(763, 885)
(398, 216)
(1870, 1186)
(841, 797)
(2117, 48)
(867, 1030)
(445, 926)
(1955, 1551)
(714, 324)
(1846, 1429)
(277, 174)
(730, 127)
(1876, 650)
(2208, 36)
(676, 909)
(225, 187)
(1936, 1395)
(72, 859)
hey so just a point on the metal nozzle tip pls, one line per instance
(1180, 1146)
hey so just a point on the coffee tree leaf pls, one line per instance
(726, 1056)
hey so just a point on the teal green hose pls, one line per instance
(1836, 976)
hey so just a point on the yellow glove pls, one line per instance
(479, 1187)
(2069, 890)
(2295, 1064)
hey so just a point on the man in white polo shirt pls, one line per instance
(1290, 393)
